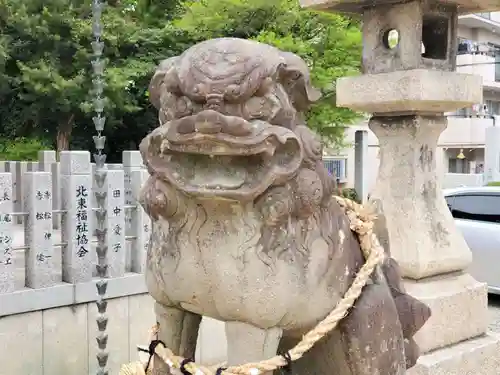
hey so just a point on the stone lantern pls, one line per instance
(408, 83)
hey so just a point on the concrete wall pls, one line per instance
(483, 34)
(453, 180)
(465, 132)
(492, 154)
(495, 16)
(465, 32)
(482, 65)
(52, 331)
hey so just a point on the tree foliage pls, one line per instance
(21, 149)
(47, 69)
(45, 60)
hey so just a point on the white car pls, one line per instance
(477, 215)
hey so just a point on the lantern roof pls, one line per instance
(358, 6)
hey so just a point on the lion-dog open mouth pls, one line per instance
(216, 156)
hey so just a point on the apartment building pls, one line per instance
(478, 53)
(461, 148)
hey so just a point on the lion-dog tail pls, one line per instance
(412, 313)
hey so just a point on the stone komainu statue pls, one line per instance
(245, 229)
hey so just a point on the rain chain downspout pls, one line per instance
(99, 120)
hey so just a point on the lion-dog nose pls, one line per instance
(213, 122)
(209, 122)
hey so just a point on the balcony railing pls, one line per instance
(471, 47)
(479, 58)
(486, 15)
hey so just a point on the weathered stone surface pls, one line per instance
(21, 344)
(411, 35)
(211, 331)
(460, 309)
(421, 230)
(356, 346)
(409, 92)
(65, 350)
(141, 320)
(245, 228)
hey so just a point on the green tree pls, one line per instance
(45, 62)
(329, 43)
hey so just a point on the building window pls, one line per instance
(493, 107)
(495, 51)
(464, 47)
(463, 112)
(458, 166)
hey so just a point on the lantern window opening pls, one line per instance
(435, 29)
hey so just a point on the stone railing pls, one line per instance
(48, 257)
(38, 200)
(454, 180)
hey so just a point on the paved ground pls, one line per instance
(495, 313)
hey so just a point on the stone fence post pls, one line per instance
(361, 162)
(140, 225)
(76, 189)
(137, 223)
(111, 195)
(55, 170)
(10, 166)
(21, 169)
(45, 160)
(7, 267)
(42, 265)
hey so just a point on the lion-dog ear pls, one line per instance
(165, 75)
(296, 73)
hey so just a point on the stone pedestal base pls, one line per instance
(459, 306)
(479, 356)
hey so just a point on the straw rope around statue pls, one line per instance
(361, 222)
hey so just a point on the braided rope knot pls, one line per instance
(361, 222)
